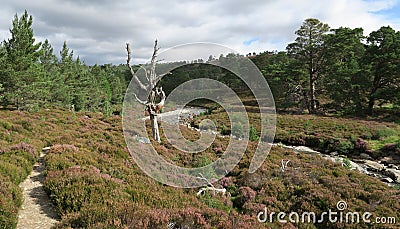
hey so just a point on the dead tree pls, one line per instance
(155, 93)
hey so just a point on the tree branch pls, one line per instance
(161, 76)
(153, 62)
(210, 186)
(139, 100)
(134, 76)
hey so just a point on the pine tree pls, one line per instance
(308, 48)
(383, 62)
(22, 58)
(345, 83)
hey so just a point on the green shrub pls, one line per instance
(253, 135)
(345, 147)
(383, 133)
(237, 129)
(224, 130)
(72, 188)
(346, 163)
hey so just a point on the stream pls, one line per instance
(389, 174)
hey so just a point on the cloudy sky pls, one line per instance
(97, 30)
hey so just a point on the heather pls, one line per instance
(336, 90)
(346, 136)
(94, 182)
(16, 163)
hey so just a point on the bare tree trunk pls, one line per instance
(155, 92)
(313, 105)
(154, 128)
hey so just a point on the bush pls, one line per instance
(15, 165)
(253, 135)
(237, 129)
(361, 145)
(345, 147)
(383, 133)
(224, 130)
(74, 188)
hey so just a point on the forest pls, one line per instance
(339, 71)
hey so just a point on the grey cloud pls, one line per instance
(98, 30)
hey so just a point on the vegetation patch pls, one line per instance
(16, 163)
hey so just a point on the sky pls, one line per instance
(97, 30)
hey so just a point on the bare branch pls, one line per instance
(203, 190)
(210, 186)
(201, 177)
(284, 164)
(147, 75)
(153, 62)
(161, 76)
(139, 100)
(134, 76)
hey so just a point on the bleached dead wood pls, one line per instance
(155, 93)
(210, 186)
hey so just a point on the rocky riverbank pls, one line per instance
(388, 173)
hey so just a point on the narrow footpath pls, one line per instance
(37, 211)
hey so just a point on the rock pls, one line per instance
(374, 166)
(358, 167)
(391, 159)
(391, 166)
(333, 154)
(365, 156)
(143, 140)
(305, 149)
(393, 173)
(387, 180)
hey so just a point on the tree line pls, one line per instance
(33, 77)
(337, 70)
(324, 70)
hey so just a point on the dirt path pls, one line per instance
(37, 211)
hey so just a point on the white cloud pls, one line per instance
(98, 30)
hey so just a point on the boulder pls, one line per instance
(374, 166)
(365, 156)
(393, 173)
(305, 149)
(387, 180)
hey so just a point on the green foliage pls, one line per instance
(345, 147)
(346, 163)
(237, 129)
(382, 53)
(32, 77)
(346, 82)
(224, 130)
(253, 135)
(1, 92)
(308, 50)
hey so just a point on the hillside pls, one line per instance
(94, 183)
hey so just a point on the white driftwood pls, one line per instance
(210, 186)
(284, 164)
(218, 190)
